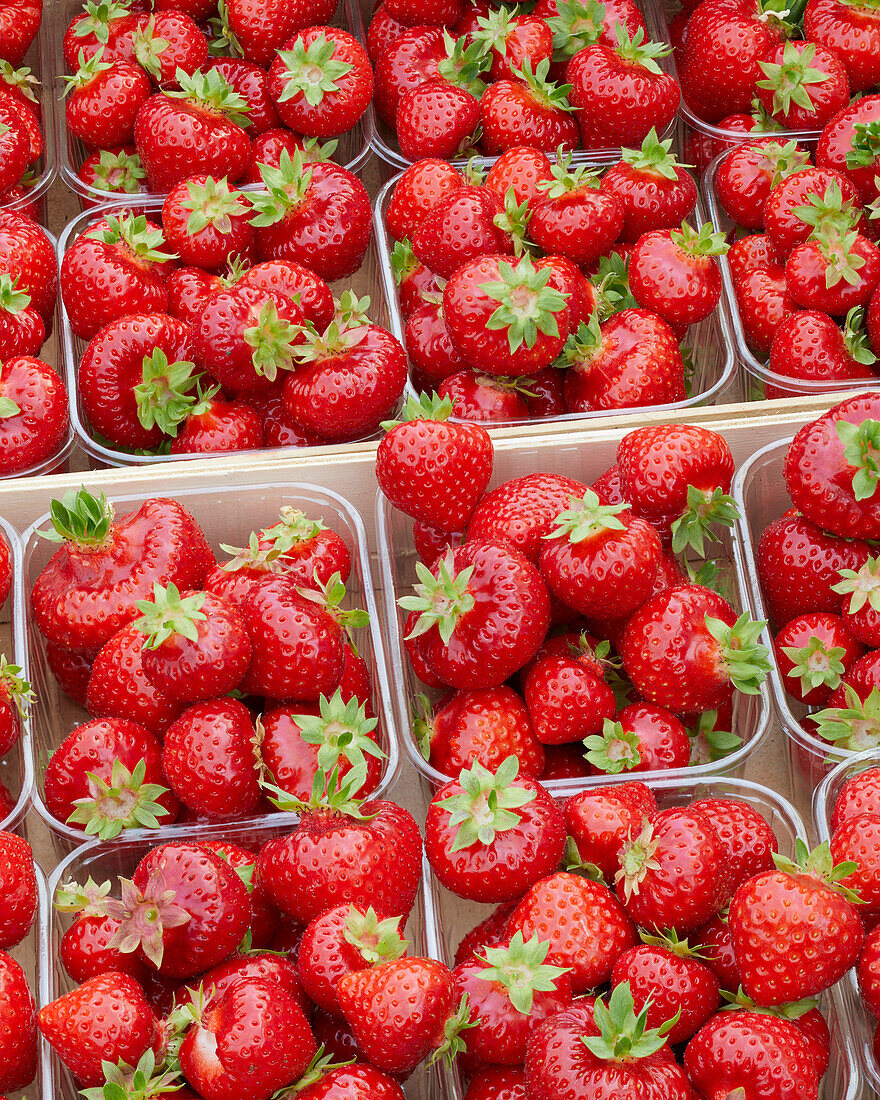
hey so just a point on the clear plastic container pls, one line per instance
(31, 955)
(384, 139)
(715, 378)
(226, 516)
(397, 556)
(104, 863)
(352, 152)
(367, 281)
(17, 766)
(449, 917)
(859, 1021)
(759, 490)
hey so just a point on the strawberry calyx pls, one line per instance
(836, 249)
(565, 179)
(789, 80)
(13, 685)
(345, 331)
(709, 744)
(702, 242)
(814, 664)
(487, 804)
(80, 518)
(705, 507)
(132, 231)
(144, 916)
(494, 29)
(783, 159)
(586, 517)
(514, 219)
(441, 600)
(861, 450)
(149, 47)
(350, 311)
(422, 714)
(273, 340)
(853, 727)
(87, 71)
(254, 556)
(453, 1044)
(575, 864)
(521, 969)
(143, 1082)
(333, 794)
(293, 527)
(670, 941)
(318, 1068)
(781, 16)
(636, 860)
(212, 203)
(223, 42)
(614, 750)
(819, 864)
(341, 730)
(330, 596)
(86, 901)
(12, 299)
(828, 212)
(581, 346)
(164, 395)
(464, 63)
(403, 260)
(23, 80)
(864, 148)
(636, 51)
(744, 658)
(311, 70)
(168, 614)
(377, 940)
(122, 172)
(625, 1036)
(577, 25)
(654, 157)
(545, 92)
(97, 17)
(473, 172)
(611, 283)
(210, 91)
(126, 802)
(855, 336)
(741, 1000)
(526, 304)
(862, 585)
(424, 406)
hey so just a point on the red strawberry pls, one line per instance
(104, 97)
(521, 511)
(85, 952)
(655, 191)
(359, 1081)
(167, 42)
(848, 142)
(855, 842)
(748, 840)
(34, 420)
(206, 222)
(527, 109)
(213, 425)
(118, 687)
(520, 170)
(642, 737)
(19, 889)
(26, 254)
(835, 272)
(806, 201)
(262, 28)
(575, 216)
(601, 820)
(18, 1026)
(117, 170)
(673, 272)
(809, 344)
(15, 698)
(764, 304)
(567, 698)
(252, 83)
(804, 85)
(22, 331)
(460, 227)
(860, 794)
(263, 965)
(417, 192)
(436, 119)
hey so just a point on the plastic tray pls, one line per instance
(366, 281)
(715, 378)
(17, 766)
(397, 557)
(31, 954)
(227, 515)
(759, 490)
(860, 1022)
(102, 864)
(352, 151)
(450, 917)
(384, 139)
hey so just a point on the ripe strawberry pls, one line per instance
(292, 279)
(655, 191)
(489, 836)
(853, 34)
(205, 222)
(673, 273)
(262, 28)
(458, 475)
(834, 272)
(764, 304)
(19, 889)
(848, 142)
(262, 965)
(868, 971)
(601, 820)
(486, 725)
(751, 253)
(166, 41)
(620, 91)
(26, 254)
(18, 1026)
(22, 331)
(575, 216)
(804, 85)
(520, 170)
(85, 952)
(436, 119)
(34, 417)
(746, 176)
(196, 130)
(103, 100)
(641, 737)
(585, 925)
(521, 511)
(106, 1019)
(860, 794)
(15, 144)
(567, 697)
(855, 842)
(528, 109)
(510, 990)
(213, 425)
(398, 1011)
(460, 227)
(748, 840)
(809, 344)
(418, 190)
(768, 916)
(807, 201)
(684, 648)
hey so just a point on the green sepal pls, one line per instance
(544, 91)
(585, 517)
(842, 264)
(745, 658)
(576, 865)
(168, 614)
(625, 1036)
(453, 1044)
(614, 750)
(80, 517)
(527, 305)
(333, 792)
(422, 714)
(576, 26)
(223, 41)
(273, 340)
(709, 742)
(794, 1010)
(210, 90)
(98, 16)
(132, 231)
(788, 80)
(636, 860)
(8, 408)
(487, 804)
(864, 149)
(143, 1082)
(342, 732)
(403, 260)
(826, 672)
(119, 172)
(12, 299)
(126, 802)
(611, 283)
(148, 48)
(514, 219)
(654, 156)
(87, 71)
(377, 940)
(164, 395)
(670, 941)
(464, 63)
(316, 1070)
(862, 585)
(702, 242)
(424, 406)
(213, 203)
(855, 337)
(819, 863)
(860, 449)
(19, 690)
(565, 179)
(828, 212)
(521, 969)
(854, 727)
(311, 70)
(638, 51)
(703, 510)
(88, 900)
(330, 595)
(442, 600)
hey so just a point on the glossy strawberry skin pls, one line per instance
(746, 837)
(325, 956)
(85, 952)
(26, 252)
(262, 28)
(856, 840)
(853, 33)
(512, 115)
(417, 192)
(436, 119)
(764, 303)
(488, 725)
(859, 795)
(37, 432)
(521, 511)
(832, 632)
(840, 133)
(672, 984)
(649, 199)
(581, 224)
(250, 81)
(264, 966)
(19, 889)
(18, 1027)
(601, 819)
(118, 687)
(680, 288)
(497, 1083)
(782, 223)
(360, 1081)
(102, 112)
(461, 227)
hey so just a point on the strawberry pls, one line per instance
(460, 227)
(747, 838)
(292, 279)
(834, 272)
(684, 648)
(860, 794)
(14, 145)
(260, 29)
(522, 511)
(85, 952)
(399, 1011)
(855, 842)
(19, 888)
(620, 91)
(575, 217)
(252, 83)
(434, 12)
(584, 923)
(607, 1045)
(567, 698)
(747, 1050)
(457, 476)
(33, 414)
(764, 304)
(768, 916)
(15, 699)
(655, 191)
(205, 221)
(751, 253)
(601, 819)
(251, 1039)
(19, 23)
(195, 130)
(417, 191)
(434, 359)
(853, 33)
(263, 965)
(483, 611)
(860, 604)
(528, 109)
(641, 737)
(118, 687)
(436, 119)
(804, 85)
(809, 344)
(360, 1081)
(166, 41)
(848, 144)
(103, 100)
(490, 836)
(22, 331)
(26, 255)
(746, 176)
(867, 971)
(106, 1019)
(673, 273)
(107, 25)
(807, 201)
(213, 425)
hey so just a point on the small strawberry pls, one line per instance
(813, 652)
(655, 191)
(118, 687)
(567, 698)
(206, 222)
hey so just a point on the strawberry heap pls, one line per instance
(818, 570)
(806, 275)
(560, 620)
(18, 1019)
(217, 690)
(549, 289)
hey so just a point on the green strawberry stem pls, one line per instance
(789, 80)
(702, 242)
(453, 1044)
(423, 723)
(12, 299)
(133, 231)
(637, 51)
(613, 293)
(828, 212)
(842, 265)
(625, 1036)
(273, 340)
(149, 47)
(294, 527)
(614, 750)
(670, 941)
(87, 71)
(654, 156)
(80, 518)
(168, 614)
(164, 395)
(17, 689)
(855, 336)
(126, 802)
(334, 793)
(376, 940)
(441, 600)
(213, 203)
(576, 26)
(209, 89)
(254, 557)
(865, 145)
(97, 17)
(465, 62)
(549, 95)
(586, 517)
(311, 70)
(527, 305)
(704, 508)
(861, 449)
(514, 219)
(144, 916)
(709, 743)
(286, 187)
(318, 1068)
(854, 727)
(745, 659)
(862, 585)
(425, 406)
(815, 665)
(120, 172)
(784, 159)
(487, 804)
(792, 1011)
(565, 179)
(342, 732)
(86, 900)
(521, 970)
(330, 597)
(145, 1081)
(573, 861)
(819, 864)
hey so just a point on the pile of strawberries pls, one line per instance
(549, 289)
(820, 578)
(210, 685)
(806, 274)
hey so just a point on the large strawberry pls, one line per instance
(259, 29)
